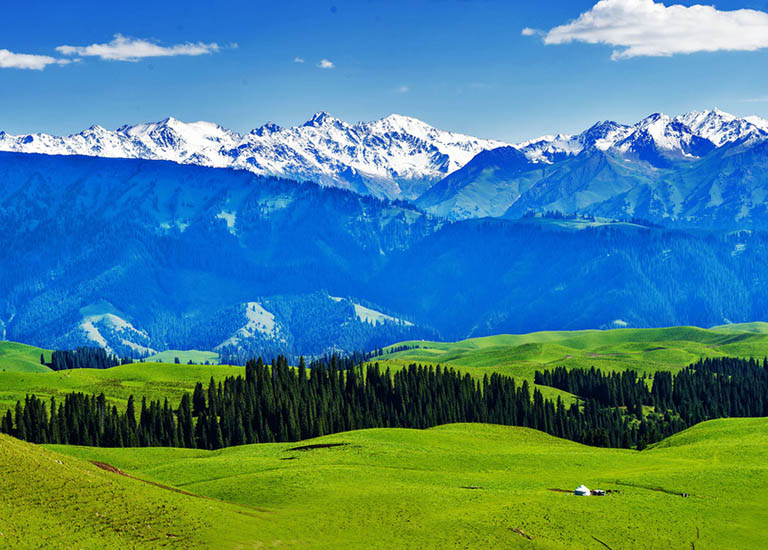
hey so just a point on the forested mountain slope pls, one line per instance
(139, 256)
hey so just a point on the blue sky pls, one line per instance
(460, 65)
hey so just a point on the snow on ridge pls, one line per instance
(670, 134)
(103, 314)
(368, 315)
(229, 218)
(258, 321)
(394, 157)
(324, 149)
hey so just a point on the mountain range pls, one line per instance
(395, 157)
(658, 223)
(697, 169)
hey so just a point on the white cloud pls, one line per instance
(763, 99)
(649, 28)
(11, 60)
(298, 59)
(326, 64)
(528, 31)
(402, 89)
(122, 48)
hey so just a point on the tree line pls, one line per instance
(711, 388)
(84, 357)
(275, 403)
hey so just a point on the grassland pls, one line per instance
(49, 500)
(15, 357)
(185, 356)
(456, 486)
(150, 380)
(643, 350)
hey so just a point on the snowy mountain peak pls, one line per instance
(266, 129)
(393, 157)
(687, 136)
(656, 120)
(319, 119)
(603, 135)
(720, 127)
(757, 121)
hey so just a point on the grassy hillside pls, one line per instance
(152, 380)
(758, 327)
(16, 357)
(480, 486)
(644, 350)
(54, 501)
(185, 356)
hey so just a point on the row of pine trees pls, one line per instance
(274, 403)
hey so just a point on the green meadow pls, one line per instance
(15, 357)
(470, 486)
(185, 356)
(643, 350)
(155, 381)
(455, 486)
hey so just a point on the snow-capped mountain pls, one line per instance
(721, 128)
(698, 168)
(395, 157)
(684, 136)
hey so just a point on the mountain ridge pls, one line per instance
(393, 157)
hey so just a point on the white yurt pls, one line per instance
(582, 491)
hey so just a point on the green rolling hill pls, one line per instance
(15, 357)
(50, 500)
(455, 486)
(643, 350)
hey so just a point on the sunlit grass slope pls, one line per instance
(49, 500)
(185, 356)
(155, 381)
(481, 486)
(644, 350)
(16, 357)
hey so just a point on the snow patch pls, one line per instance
(104, 315)
(229, 218)
(368, 315)
(258, 321)
(738, 249)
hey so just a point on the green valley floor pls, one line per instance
(456, 486)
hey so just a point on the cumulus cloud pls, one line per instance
(11, 60)
(326, 64)
(528, 31)
(649, 28)
(298, 59)
(122, 48)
